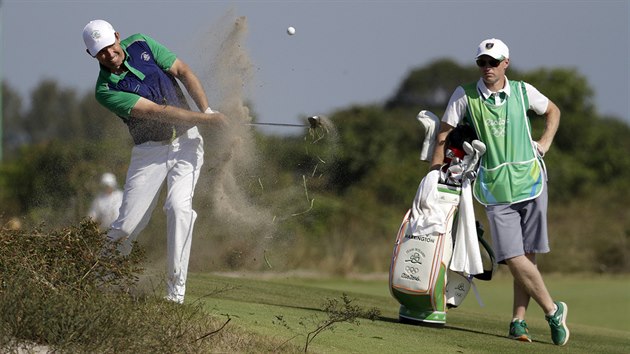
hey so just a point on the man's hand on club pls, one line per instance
(217, 118)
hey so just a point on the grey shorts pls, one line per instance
(519, 228)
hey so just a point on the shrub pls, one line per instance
(69, 290)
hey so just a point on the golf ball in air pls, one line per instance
(291, 31)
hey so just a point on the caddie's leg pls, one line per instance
(185, 161)
(535, 240)
(521, 297)
(526, 274)
(147, 170)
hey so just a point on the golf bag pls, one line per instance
(419, 277)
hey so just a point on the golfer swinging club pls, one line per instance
(136, 81)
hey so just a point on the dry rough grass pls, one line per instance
(60, 292)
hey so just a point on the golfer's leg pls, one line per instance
(526, 274)
(180, 216)
(145, 175)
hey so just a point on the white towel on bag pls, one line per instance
(426, 218)
(466, 257)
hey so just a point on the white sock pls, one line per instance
(555, 308)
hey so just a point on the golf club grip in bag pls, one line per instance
(419, 264)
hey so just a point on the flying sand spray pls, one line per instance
(241, 221)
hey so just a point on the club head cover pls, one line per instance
(479, 146)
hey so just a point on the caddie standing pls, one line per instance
(137, 82)
(511, 181)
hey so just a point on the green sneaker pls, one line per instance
(558, 324)
(519, 331)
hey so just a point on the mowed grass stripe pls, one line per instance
(289, 308)
(594, 300)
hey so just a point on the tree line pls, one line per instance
(362, 180)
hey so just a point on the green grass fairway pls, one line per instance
(287, 308)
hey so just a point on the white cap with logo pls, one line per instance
(494, 48)
(97, 35)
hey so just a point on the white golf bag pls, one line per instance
(418, 271)
(433, 262)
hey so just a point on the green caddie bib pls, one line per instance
(510, 170)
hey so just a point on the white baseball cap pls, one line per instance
(494, 48)
(97, 35)
(108, 179)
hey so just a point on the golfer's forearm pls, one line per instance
(146, 109)
(176, 115)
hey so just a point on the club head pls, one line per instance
(471, 175)
(455, 169)
(479, 146)
(314, 122)
(468, 148)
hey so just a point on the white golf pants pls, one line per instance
(179, 163)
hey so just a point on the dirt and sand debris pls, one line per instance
(232, 158)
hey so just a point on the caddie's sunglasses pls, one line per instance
(492, 62)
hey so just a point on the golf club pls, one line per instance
(313, 123)
(477, 149)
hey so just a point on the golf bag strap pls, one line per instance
(477, 295)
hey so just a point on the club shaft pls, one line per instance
(279, 124)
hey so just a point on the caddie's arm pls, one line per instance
(552, 122)
(440, 142)
(147, 109)
(191, 82)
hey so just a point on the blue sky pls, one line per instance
(344, 52)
